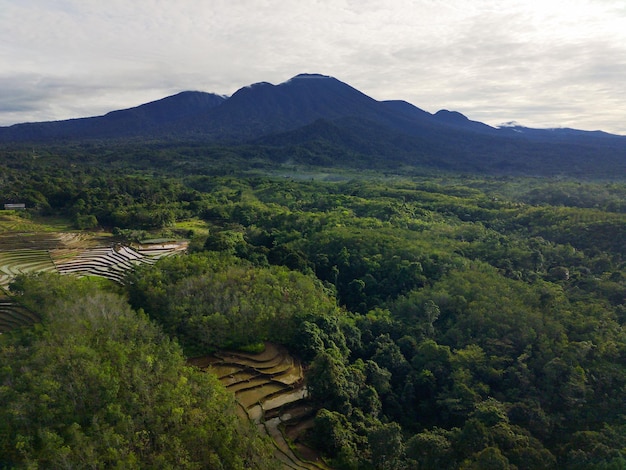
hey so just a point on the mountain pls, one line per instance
(328, 121)
(264, 109)
(145, 120)
(456, 119)
(560, 134)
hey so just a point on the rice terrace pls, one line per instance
(361, 284)
(269, 386)
(28, 247)
(404, 249)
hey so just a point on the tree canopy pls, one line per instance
(445, 321)
(98, 385)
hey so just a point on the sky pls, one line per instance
(548, 63)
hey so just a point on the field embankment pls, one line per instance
(76, 253)
(270, 390)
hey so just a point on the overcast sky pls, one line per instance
(546, 63)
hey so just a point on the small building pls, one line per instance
(12, 207)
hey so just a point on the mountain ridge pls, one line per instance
(171, 105)
(321, 111)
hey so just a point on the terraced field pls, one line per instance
(13, 316)
(20, 261)
(113, 261)
(270, 390)
(78, 254)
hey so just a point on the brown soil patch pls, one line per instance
(270, 388)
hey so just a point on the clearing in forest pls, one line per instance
(269, 388)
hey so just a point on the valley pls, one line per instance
(366, 295)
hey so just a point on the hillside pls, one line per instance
(312, 118)
(438, 322)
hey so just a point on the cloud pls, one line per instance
(546, 64)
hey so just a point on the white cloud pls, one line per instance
(543, 63)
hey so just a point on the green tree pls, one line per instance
(387, 446)
(334, 434)
(328, 380)
(431, 449)
(98, 385)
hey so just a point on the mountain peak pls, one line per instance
(510, 124)
(451, 116)
(307, 76)
(310, 75)
(458, 120)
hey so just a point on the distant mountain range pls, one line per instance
(317, 118)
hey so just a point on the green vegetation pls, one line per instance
(473, 320)
(97, 385)
(444, 322)
(215, 302)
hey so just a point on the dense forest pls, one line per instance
(445, 321)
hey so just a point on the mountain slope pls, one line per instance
(254, 111)
(263, 109)
(330, 122)
(146, 120)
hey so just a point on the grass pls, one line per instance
(35, 243)
(18, 261)
(102, 282)
(254, 348)
(199, 226)
(156, 241)
(13, 316)
(11, 222)
(266, 399)
(25, 222)
(54, 223)
(81, 253)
